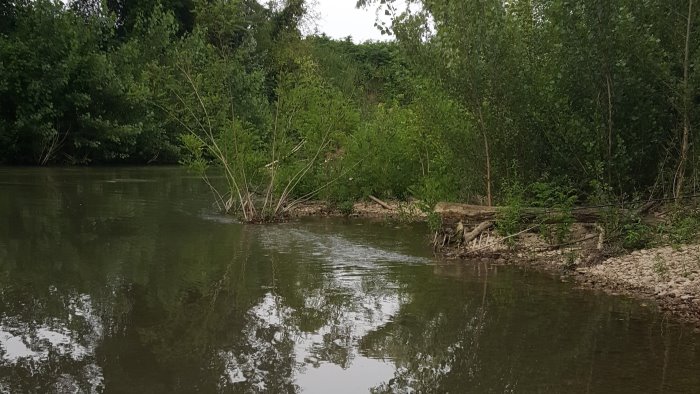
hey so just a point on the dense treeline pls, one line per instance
(599, 94)
(593, 99)
(79, 82)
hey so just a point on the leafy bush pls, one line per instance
(346, 207)
(266, 170)
(683, 227)
(559, 199)
(509, 217)
(383, 154)
(636, 235)
(434, 221)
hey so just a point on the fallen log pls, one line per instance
(489, 245)
(574, 242)
(380, 202)
(483, 226)
(453, 212)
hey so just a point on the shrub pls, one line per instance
(636, 235)
(509, 217)
(560, 197)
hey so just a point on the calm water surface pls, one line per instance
(126, 280)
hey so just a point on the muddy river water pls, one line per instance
(127, 280)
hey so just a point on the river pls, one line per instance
(127, 280)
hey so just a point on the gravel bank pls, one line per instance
(667, 274)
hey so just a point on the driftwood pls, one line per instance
(647, 207)
(470, 236)
(481, 218)
(569, 243)
(489, 245)
(451, 212)
(380, 202)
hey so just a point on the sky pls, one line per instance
(340, 18)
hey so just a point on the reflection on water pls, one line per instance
(35, 347)
(353, 297)
(125, 280)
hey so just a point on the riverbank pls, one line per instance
(389, 210)
(665, 276)
(670, 276)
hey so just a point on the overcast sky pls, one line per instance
(340, 18)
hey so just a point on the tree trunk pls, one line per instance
(489, 198)
(610, 126)
(680, 171)
(380, 202)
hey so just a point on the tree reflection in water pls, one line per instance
(58, 352)
(104, 287)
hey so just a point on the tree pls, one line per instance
(684, 108)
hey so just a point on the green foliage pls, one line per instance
(564, 87)
(194, 158)
(271, 156)
(684, 226)
(383, 151)
(555, 198)
(346, 207)
(55, 87)
(559, 199)
(79, 87)
(571, 257)
(636, 235)
(431, 190)
(434, 221)
(369, 73)
(509, 217)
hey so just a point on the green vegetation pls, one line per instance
(586, 102)
(636, 235)
(509, 219)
